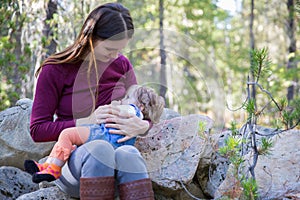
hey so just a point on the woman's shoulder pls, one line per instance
(60, 68)
(122, 60)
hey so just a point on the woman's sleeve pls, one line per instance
(47, 95)
(130, 74)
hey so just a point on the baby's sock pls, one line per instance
(51, 173)
(33, 167)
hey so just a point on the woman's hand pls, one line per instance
(107, 111)
(126, 124)
(100, 115)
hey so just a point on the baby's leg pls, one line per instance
(33, 167)
(61, 152)
(68, 137)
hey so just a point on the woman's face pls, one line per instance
(105, 50)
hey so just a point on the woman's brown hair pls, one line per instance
(109, 21)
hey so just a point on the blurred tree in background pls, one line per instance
(206, 47)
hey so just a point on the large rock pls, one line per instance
(277, 174)
(49, 193)
(169, 114)
(15, 182)
(212, 166)
(15, 140)
(172, 150)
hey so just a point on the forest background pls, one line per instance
(194, 52)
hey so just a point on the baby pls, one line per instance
(139, 100)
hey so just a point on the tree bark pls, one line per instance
(15, 39)
(292, 46)
(163, 79)
(252, 95)
(252, 46)
(48, 31)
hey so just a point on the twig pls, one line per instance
(188, 192)
(233, 110)
(277, 132)
(254, 146)
(263, 108)
(265, 91)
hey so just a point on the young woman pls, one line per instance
(76, 86)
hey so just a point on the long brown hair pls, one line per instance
(109, 21)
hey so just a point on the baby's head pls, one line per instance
(150, 103)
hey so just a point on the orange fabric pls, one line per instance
(41, 166)
(52, 169)
(69, 137)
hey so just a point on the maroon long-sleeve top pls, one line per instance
(64, 93)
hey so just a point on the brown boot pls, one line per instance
(136, 190)
(97, 188)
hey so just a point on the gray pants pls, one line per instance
(98, 158)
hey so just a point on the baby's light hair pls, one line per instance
(152, 102)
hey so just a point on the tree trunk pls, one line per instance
(15, 39)
(51, 9)
(163, 78)
(252, 95)
(292, 46)
(252, 46)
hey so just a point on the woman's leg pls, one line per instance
(134, 182)
(88, 167)
(130, 164)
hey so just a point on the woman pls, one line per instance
(76, 85)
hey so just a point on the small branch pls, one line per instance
(233, 110)
(254, 146)
(243, 136)
(276, 132)
(60, 5)
(265, 91)
(258, 113)
(188, 192)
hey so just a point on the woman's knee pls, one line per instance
(100, 151)
(127, 152)
(129, 159)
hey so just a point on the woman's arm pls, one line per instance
(49, 86)
(87, 120)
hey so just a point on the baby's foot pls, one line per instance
(51, 173)
(33, 167)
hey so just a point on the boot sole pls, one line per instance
(30, 167)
